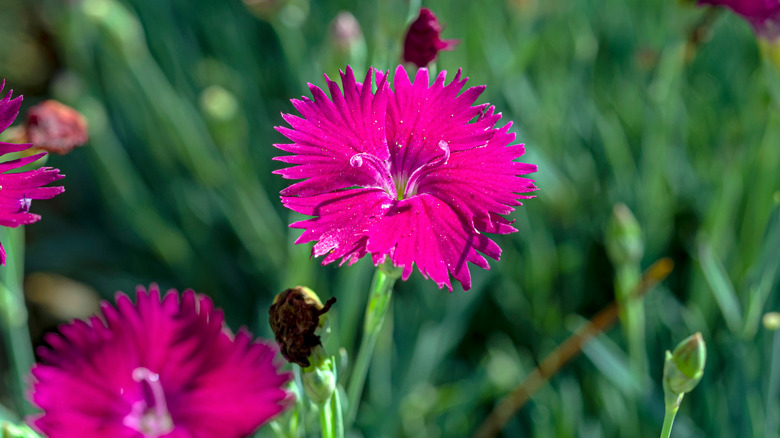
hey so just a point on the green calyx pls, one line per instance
(684, 366)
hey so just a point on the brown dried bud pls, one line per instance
(55, 127)
(295, 317)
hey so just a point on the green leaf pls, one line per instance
(721, 286)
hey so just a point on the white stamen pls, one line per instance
(150, 417)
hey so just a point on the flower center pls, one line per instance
(149, 415)
(24, 204)
(400, 185)
(408, 187)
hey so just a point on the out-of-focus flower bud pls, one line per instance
(771, 321)
(55, 127)
(423, 42)
(346, 43)
(345, 31)
(684, 366)
(624, 237)
(296, 317)
(218, 103)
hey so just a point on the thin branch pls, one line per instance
(565, 352)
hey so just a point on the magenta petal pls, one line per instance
(332, 132)
(341, 221)
(18, 189)
(7, 148)
(208, 383)
(425, 231)
(9, 108)
(414, 174)
(419, 117)
(460, 182)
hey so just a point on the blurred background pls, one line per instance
(657, 105)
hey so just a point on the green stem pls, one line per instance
(378, 300)
(773, 388)
(326, 425)
(338, 420)
(14, 320)
(632, 316)
(672, 406)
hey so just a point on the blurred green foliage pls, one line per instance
(616, 104)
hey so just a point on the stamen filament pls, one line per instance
(152, 424)
(420, 172)
(378, 165)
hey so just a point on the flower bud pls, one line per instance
(219, 103)
(319, 381)
(55, 127)
(345, 30)
(423, 42)
(346, 44)
(624, 237)
(684, 366)
(296, 317)
(771, 321)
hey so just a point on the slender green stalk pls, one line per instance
(378, 300)
(326, 425)
(632, 315)
(14, 318)
(338, 417)
(770, 427)
(672, 406)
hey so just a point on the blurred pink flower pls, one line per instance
(422, 42)
(55, 127)
(18, 189)
(763, 15)
(416, 175)
(164, 367)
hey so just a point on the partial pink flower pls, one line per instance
(423, 42)
(55, 127)
(18, 189)
(763, 15)
(164, 367)
(415, 176)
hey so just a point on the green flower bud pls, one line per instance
(297, 317)
(684, 366)
(218, 103)
(624, 237)
(319, 382)
(771, 321)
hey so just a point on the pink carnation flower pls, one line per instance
(416, 175)
(164, 367)
(17, 190)
(763, 15)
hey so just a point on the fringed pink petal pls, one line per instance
(340, 221)
(425, 231)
